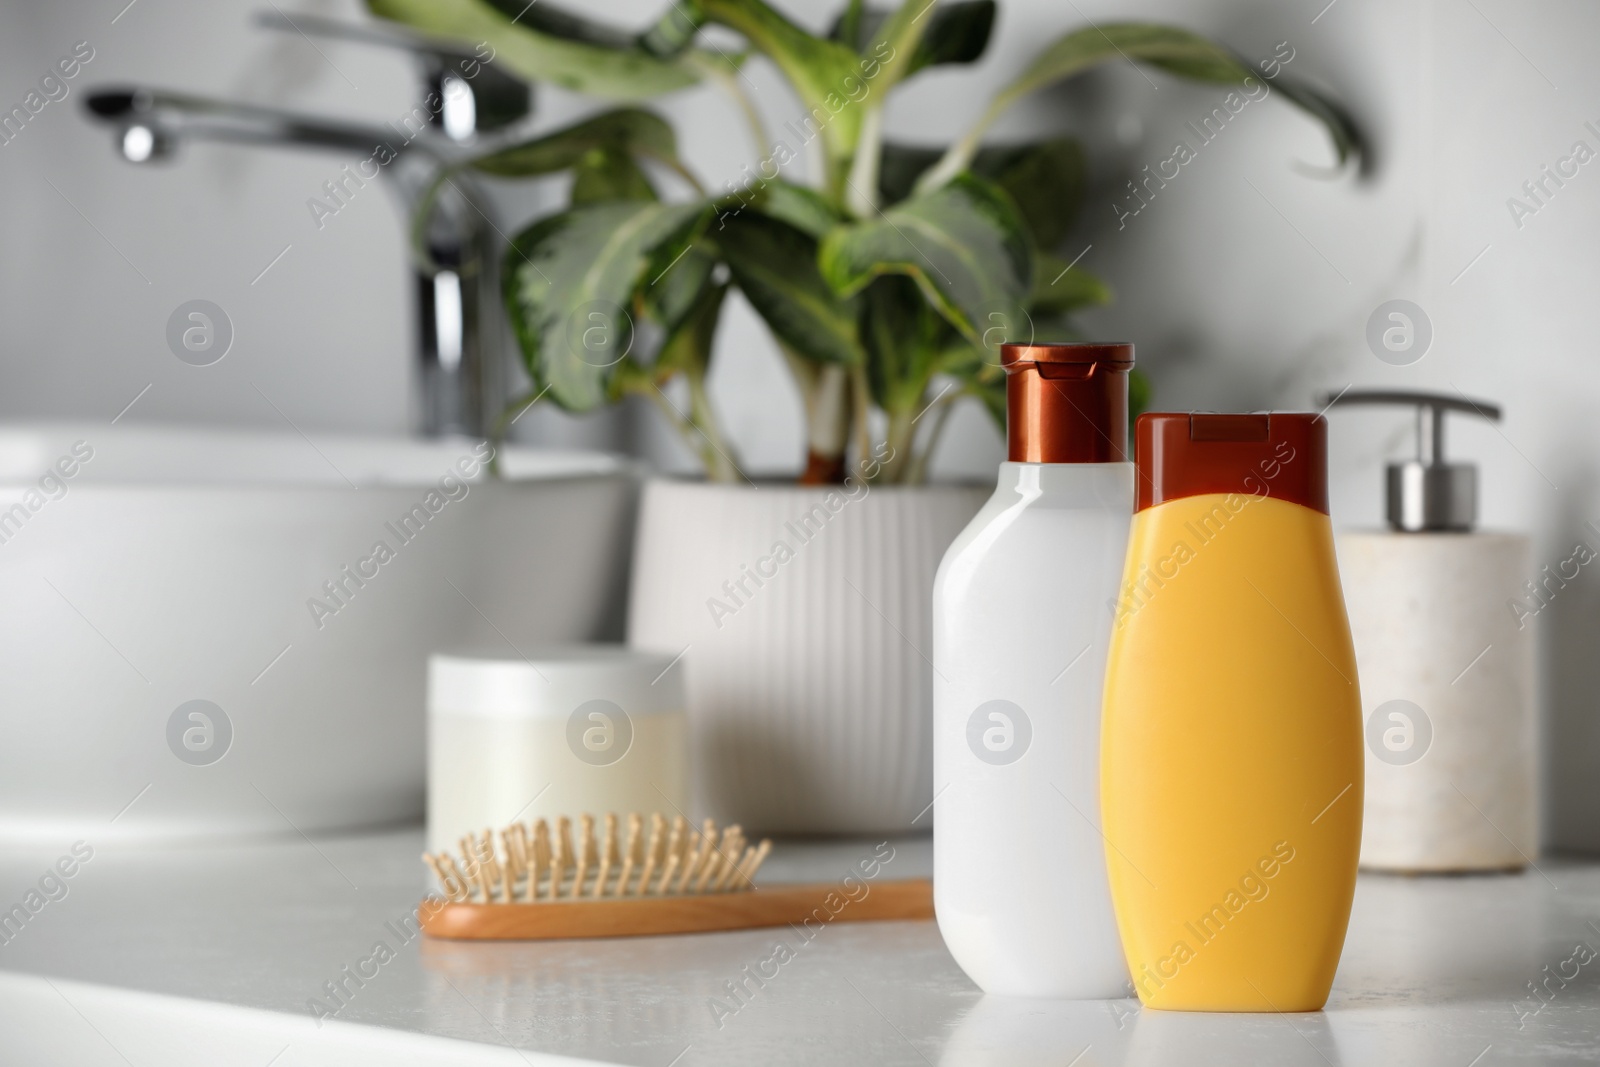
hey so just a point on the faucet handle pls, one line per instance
(473, 93)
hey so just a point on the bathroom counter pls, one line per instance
(214, 954)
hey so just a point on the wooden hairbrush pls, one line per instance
(540, 886)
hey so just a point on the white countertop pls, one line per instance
(210, 954)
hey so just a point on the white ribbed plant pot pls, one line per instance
(803, 616)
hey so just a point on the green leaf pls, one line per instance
(675, 30)
(830, 79)
(895, 44)
(556, 22)
(957, 32)
(891, 54)
(980, 376)
(1046, 179)
(814, 66)
(546, 44)
(1168, 48)
(569, 281)
(901, 166)
(805, 209)
(847, 27)
(965, 246)
(991, 393)
(775, 265)
(1178, 52)
(605, 174)
(591, 147)
(674, 291)
(962, 360)
(631, 130)
(903, 336)
(1059, 289)
(688, 346)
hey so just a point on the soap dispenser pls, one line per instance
(1442, 615)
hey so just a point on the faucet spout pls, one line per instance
(171, 117)
(461, 366)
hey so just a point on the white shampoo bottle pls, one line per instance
(1022, 612)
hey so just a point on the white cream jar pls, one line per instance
(567, 731)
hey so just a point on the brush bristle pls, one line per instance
(671, 859)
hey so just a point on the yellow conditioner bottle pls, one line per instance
(1231, 756)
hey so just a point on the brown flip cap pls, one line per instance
(1283, 455)
(1067, 403)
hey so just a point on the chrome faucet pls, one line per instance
(462, 367)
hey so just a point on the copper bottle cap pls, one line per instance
(1067, 403)
(1280, 454)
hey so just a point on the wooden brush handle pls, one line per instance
(642, 916)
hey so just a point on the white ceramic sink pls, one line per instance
(176, 565)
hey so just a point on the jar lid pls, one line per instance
(1279, 454)
(554, 680)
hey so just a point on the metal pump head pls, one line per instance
(1426, 493)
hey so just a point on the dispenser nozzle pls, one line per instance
(1426, 493)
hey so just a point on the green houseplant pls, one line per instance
(900, 267)
(887, 280)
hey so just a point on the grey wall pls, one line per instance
(1246, 283)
